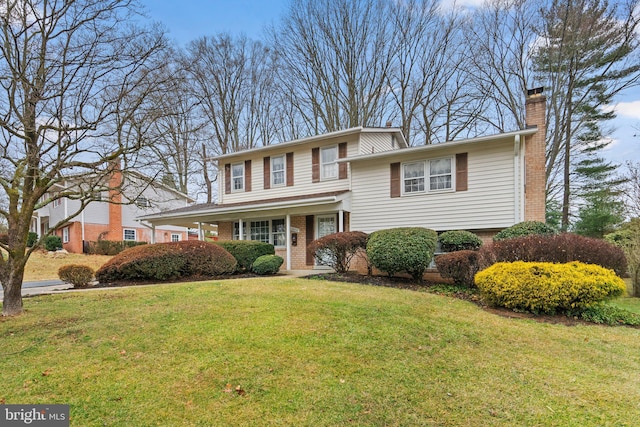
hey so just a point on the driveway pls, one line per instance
(40, 287)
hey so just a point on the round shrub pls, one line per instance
(78, 275)
(52, 243)
(461, 266)
(558, 248)
(267, 264)
(459, 240)
(525, 228)
(246, 251)
(543, 287)
(165, 261)
(338, 249)
(405, 249)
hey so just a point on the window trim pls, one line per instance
(124, 235)
(323, 177)
(283, 171)
(65, 235)
(246, 228)
(240, 177)
(427, 176)
(177, 236)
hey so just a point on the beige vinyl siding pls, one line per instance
(488, 202)
(302, 183)
(377, 142)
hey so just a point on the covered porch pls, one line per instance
(290, 224)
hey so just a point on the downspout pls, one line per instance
(516, 179)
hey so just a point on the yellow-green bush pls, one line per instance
(543, 287)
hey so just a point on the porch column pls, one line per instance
(200, 232)
(340, 220)
(153, 233)
(240, 229)
(288, 231)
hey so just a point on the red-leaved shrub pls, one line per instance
(461, 266)
(166, 261)
(559, 248)
(338, 249)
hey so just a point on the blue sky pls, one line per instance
(189, 19)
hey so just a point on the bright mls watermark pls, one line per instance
(34, 415)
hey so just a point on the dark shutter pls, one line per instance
(247, 175)
(461, 172)
(310, 227)
(227, 178)
(395, 180)
(289, 169)
(342, 167)
(315, 164)
(267, 173)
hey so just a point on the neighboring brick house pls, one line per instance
(101, 220)
(368, 179)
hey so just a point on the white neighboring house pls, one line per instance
(367, 179)
(118, 221)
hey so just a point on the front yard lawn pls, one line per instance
(280, 351)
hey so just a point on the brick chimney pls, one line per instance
(115, 209)
(535, 156)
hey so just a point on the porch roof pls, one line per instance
(207, 213)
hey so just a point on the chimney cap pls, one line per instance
(535, 91)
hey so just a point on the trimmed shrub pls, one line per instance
(166, 261)
(78, 275)
(32, 238)
(246, 251)
(111, 247)
(525, 228)
(461, 266)
(267, 264)
(405, 249)
(559, 248)
(338, 249)
(459, 240)
(52, 243)
(544, 287)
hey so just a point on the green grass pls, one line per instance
(310, 353)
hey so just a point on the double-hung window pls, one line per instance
(278, 232)
(237, 177)
(413, 177)
(438, 173)
(328, 165)
(268, 231)
(130, 234)
(278, 171)
(260, 231)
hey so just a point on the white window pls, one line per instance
(277, 171)
(130, 234)
(237, 177)
(438, 171)
(57, 202)
(278, 232)
(175, 237)
(268, 231)
(440, 174)
(413, 177)
(328, 165)
(143, 202)
(65, 235)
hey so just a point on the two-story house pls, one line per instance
(368, 179)
(117, 221)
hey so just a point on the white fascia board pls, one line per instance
(508, 136)
(258, 207)
(324, 136)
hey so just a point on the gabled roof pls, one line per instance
(506, 136)
(402, 142)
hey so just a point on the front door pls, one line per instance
(326, 224)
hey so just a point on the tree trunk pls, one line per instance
(12, 287)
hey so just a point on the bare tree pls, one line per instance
(335, 57)
(74, 77)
